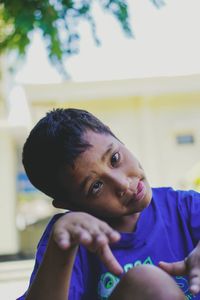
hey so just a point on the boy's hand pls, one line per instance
(76, 228)
(189, 266)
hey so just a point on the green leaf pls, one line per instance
(57, 21)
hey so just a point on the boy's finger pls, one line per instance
(109, 260)
(62, 239)
(194, 284)
(101, 240)
(96, 242)
(111, 234)
(176, 268)
(82, 236)
(194, 281)
(114, 236)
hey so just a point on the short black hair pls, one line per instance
(55, 142)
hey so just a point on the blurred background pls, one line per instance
(136, 67)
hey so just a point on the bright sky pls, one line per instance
(167, 42)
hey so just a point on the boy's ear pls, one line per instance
(57, 203)
(61, 204)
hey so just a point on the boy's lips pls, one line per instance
(141, 191)
(140, 194)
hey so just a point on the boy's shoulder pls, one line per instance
(163, 192)
(170, 190)
(169, 193)
(46, 234)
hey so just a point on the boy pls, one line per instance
(118, 227)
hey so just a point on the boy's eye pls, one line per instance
(115, 159)
(96, 187)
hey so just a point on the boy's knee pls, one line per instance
(147, 283)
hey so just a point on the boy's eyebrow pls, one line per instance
(83, 183)
(110, 147)
(87, 178)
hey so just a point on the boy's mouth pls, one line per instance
(139, 195)
(141, 191)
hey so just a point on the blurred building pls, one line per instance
(157, 118)
(8, 193)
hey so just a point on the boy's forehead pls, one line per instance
(100, 146)
(94, 138)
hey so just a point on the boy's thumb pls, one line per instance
(176, 268)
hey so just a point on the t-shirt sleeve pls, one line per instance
(41, 248)
(38, 259)
(195, 217)
(77, 286)
(190, 203)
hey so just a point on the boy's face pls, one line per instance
(107, 180)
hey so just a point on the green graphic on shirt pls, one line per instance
(108, 281)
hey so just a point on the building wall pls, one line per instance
(8, 196)
(172, 116)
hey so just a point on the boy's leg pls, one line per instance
(147, 283)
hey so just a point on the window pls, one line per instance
(185, 139)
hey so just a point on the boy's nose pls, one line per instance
(122, 185)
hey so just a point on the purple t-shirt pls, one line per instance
(167, 230)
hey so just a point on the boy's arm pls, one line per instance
(53, 278)
(189, 266)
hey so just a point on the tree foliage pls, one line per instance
(57, 20)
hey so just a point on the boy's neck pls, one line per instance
(125, 224)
